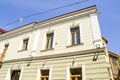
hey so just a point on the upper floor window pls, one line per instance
(15, 74)
(5, 49)
(25, 44)
(49, 44)
(4, 52)
(76, 74)
(75, 36)
(44, 74)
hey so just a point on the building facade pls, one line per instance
(66, 47)
(115, 65)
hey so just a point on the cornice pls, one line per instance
(18, 31)
(45, 23)
(67, 17)
(57, 55)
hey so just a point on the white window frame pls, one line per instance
(69, 33)
(45, 39)
(21, 43)
(39, 73)
(1, 51)
(76, 66)
(8, 76)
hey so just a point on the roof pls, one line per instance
(2, 31)
(105, 39)
(113, 54)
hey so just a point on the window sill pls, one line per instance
(74, 45)
(47, 50)
(23, 50)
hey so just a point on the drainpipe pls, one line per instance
(108, 58)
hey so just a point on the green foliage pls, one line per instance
(119, 59)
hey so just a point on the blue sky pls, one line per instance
(109, 17)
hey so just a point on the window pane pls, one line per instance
(75, 36)
(15, 75)
(79, 78)
(78, 38)
(42, 78)
(6, 46)
(25, 44)
(45, 72)
(75, 30)
(49, 41)
(46, 78)
(76, 71)
(73, 78)
(47, 46)
(73, 39)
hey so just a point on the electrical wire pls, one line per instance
(25, 17)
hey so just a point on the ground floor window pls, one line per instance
(75, 73)
(15, 74)
(44, 74)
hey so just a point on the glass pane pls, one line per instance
(75, 30)
(45, 72)
(51, 43)
(15, 75)
(73, 39)
(78, 38)
(76, 71)
(75, 36)
(25, 40)
(25, 44)
(42, 78)
(79, 78)
(6, 46)
(50, 35)
(73, 78)
(47, 44)
(47, 78)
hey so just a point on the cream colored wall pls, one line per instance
(15, 46)
(93, 70)
(60, 39)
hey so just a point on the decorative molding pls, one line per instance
(89, 51)
(21, 30)
(52, 21)
(66, 17)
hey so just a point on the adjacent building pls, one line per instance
(115, 64)
(66, 47)
(2, 31)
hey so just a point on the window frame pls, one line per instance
(24, 47)
(8, 75)
(46, 76)
(75, 75)
(49, 41)
(4, 50)
(12, 71)
(75, 66)
(76, 42)
(42, 68)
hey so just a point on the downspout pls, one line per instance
(108, 58)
